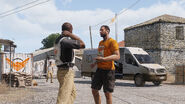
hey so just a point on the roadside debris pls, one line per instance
(18, 79)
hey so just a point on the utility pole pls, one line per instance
(116, 27)
(90, 37)
(11, 63)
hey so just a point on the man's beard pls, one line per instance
(103, 35)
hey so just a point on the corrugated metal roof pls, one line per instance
(162, 18)
(6, 41)
(38, 52)
(42, 51)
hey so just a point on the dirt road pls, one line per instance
(125, 93)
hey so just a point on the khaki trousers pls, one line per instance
(67, 90)
(50, 74)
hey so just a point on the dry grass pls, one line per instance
(14, 94)
(3, 88)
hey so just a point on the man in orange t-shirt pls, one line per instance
(108, 52)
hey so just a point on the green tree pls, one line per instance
(48, 42)
(0, 47)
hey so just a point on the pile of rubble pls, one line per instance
(18, 79)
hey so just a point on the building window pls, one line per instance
(179, 32)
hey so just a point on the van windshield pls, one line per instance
(144, 58)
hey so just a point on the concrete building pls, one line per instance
(41, 59)
(9, 47)
(162, 37)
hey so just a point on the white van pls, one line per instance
(134, 64)
(84, 63)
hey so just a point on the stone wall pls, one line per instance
(146, 37)
(171, 58)
(173, 50)
(168, 39)
(159, 40)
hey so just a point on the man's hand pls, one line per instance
(99, 59)
(72, 36)
(66, 33)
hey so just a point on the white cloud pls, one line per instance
(132, 17)
(143, 14)
(36, 23)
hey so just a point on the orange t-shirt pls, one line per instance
(107, 48)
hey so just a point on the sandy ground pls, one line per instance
(125, 93)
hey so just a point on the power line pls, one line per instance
(19, 7)
(25, 8)
(101, 22)
(129, 7)
(118, 13)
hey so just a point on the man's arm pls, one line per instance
(72, 36)
(113, 57)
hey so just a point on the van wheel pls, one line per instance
(139, 80)
(156, 83)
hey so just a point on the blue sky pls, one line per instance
(29, 27)
(114, 5)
